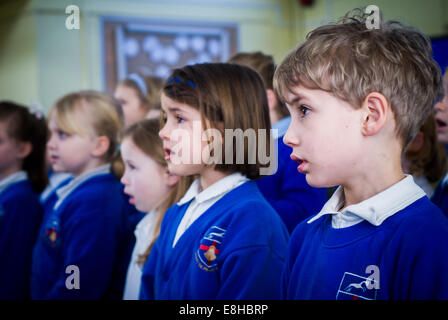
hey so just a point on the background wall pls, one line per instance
(40, 59)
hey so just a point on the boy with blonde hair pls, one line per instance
(357, 96)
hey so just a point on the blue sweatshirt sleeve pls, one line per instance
(90, 243)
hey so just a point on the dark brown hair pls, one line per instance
(24, 126)
(430, 159)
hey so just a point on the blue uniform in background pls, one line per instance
(234, 250)
(287, 190)
(440, 195)
(88, 230)
(20, 216)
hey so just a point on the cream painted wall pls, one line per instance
(60, 60)
(41, 60)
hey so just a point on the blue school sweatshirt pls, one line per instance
(20, 216)
(87, 231)
(406, 257)
(234, 250)
(288, 192)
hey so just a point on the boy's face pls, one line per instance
(325, 135)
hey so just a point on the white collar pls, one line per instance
(12, 179)
(375, 209)
(65, 191)
(220, 187)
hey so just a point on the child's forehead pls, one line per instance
(172, 106)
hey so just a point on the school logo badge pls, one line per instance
(355, 287)
(52, 235)
(209, 249)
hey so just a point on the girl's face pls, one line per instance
(182, 138)
(146, 182)
(131, 104)
(12, 152)
(73, 153)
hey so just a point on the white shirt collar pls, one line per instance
(12, 179)
(218, 188)
(445, 180)
(66, 190)
(375, 209)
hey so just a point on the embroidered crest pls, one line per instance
(208, 250)
(52, 235)
(355, 287)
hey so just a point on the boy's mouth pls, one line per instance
(302, 163)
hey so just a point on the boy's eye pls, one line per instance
(304, 110)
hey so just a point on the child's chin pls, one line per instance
(316, 182)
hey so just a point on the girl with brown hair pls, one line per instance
(151, 188)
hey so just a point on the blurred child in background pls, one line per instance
(286, 190)
(139, 97)
(440, 196)
(151, 188)
(86, 231)
(425, 157)
(23, 136)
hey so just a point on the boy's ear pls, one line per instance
(24, 149)
(171, 179)
(101, 147)
(375, 107)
